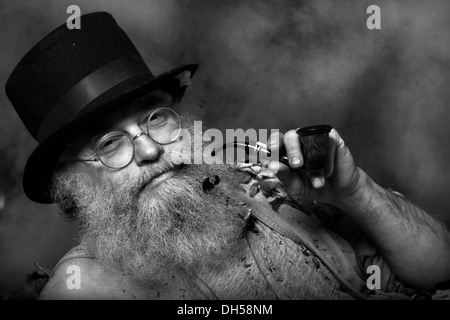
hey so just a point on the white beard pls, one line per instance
(174, 225)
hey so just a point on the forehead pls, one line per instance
(150, 101)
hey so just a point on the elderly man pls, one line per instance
(155, 226)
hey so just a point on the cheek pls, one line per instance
(100, 174)
(179, 152)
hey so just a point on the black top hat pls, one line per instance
(70, 79)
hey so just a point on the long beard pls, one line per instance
(177, 225)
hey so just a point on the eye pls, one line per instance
(158, 118)
(111, 144)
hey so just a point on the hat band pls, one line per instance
(88, 89)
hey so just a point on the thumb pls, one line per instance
(295, 182)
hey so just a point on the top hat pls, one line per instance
(72, 78)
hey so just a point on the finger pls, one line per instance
(275, 142)
(317, 179)
(295, 183)
(274, 145)
(292, 145)
(333, 142)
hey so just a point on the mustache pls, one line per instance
(151, 171)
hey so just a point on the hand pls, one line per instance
(339, 179)
(421, 259)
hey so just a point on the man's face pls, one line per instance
(130, 121)
(152, 215)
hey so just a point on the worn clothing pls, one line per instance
(292, 253)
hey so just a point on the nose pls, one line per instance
(146, 150)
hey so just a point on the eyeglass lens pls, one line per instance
(116, 149)
(163, 125)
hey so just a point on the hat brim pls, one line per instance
(37, 178)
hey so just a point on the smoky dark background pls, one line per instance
(263, 64)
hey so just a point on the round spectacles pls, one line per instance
(116, 149)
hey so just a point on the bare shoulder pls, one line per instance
(81, 278)
(87, 279)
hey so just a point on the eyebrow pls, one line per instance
(154, 100)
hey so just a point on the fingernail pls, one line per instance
(318, 182)
(296, 161)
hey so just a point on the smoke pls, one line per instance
(264, 64)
